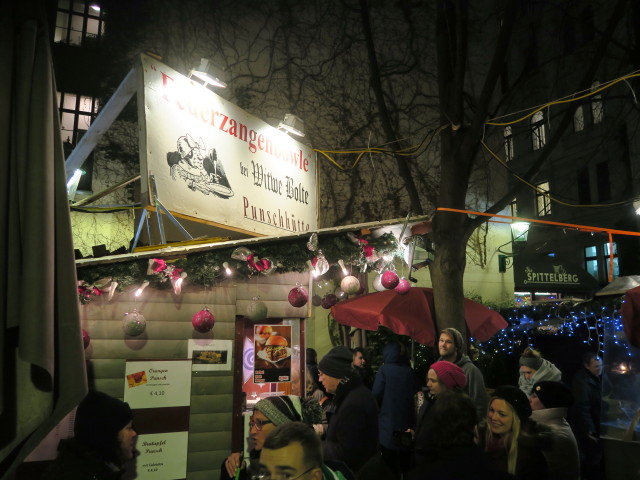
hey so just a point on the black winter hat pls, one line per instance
(337, 363)
(99, 419)
(553, 394)
(516, 398)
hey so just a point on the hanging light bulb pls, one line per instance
(344, 269)
(112, 289)
(227, 269)
(144, 285)
(177, 283)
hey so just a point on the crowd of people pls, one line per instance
(350, 425)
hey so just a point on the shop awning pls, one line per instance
(413, 315)
(551, 274)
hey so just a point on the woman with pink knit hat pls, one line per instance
(442, 376)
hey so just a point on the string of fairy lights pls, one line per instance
(597, 324)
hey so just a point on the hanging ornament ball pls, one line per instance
(256, 310)
(203, 321)
(329, 300)
(298, 297)
(390, 279)
(377, 284)
(86, 339)
(350, 284)
(340, 294)
(316, 300)
(134, 323)
(403, 286)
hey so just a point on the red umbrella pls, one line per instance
(412, 314)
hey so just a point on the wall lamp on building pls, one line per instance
(209, 73)
(292, 124)
(520, 231)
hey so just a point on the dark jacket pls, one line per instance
(531, 464)
(463, 462)
(352, 433)
(76, 462)
(394, 389)
(424, 426)
(586, 410)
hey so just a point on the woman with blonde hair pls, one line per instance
(512, 441)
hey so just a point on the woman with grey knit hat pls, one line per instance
(269, 413)
(534, 368)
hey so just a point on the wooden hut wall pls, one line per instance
(168, 318)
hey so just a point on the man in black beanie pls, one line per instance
(103, 442)
(352, 433)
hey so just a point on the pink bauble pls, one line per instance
(316, 300)
(389, 279)
(203, 321)
(86, 339)
(298, 297)
(350, 285)
(403, 286)
(329, 300)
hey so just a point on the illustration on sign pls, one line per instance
(201, 170)
(272, 358)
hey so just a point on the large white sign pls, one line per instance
(211, 160)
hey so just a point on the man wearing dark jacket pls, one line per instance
(352, 432)
(585, 415)
(451, 348)
(394, 389)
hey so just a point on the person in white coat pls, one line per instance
(550, 402)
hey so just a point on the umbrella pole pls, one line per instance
(413, 353)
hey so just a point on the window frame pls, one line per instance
(543, 199)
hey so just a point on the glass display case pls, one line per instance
(620, 382)
(620, 429)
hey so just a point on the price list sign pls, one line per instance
(159, 392)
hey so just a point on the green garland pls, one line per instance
(205, 268)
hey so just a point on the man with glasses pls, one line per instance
(293, 452)
(268, 414)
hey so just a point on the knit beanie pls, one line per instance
(337, 363)
(283, 409)
(458, 341)
(533, 363)
(450, 374)
(553, 394)
(516, 398)
(99, 419)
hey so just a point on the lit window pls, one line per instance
(513, 208)
(538, 136)
(508, 143)
(543, 201)
(596, 104)
(77, 21)
(616, 269)
(591, 260)
(578, 119)
(76, 114)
